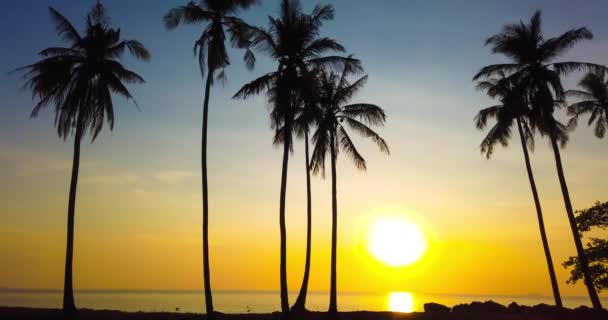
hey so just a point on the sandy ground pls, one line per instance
(8, 313)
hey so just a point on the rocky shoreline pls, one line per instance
(514, 309)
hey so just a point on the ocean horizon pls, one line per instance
(258, 301)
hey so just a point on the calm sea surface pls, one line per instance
(254, 301)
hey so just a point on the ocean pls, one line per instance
(256, 301)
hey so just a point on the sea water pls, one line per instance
(256, 301)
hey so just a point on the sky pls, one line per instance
(138, 218)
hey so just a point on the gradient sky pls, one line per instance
(139, 209)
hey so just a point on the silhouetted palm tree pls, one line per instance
(293, 40)
(514, 109)
(306, 114)
(217, 17)
(333, 93)
(533, 66)
(79, 80)
(594, 96)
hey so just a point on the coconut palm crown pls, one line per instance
(593, 98)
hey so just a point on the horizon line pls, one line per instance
(266, 291)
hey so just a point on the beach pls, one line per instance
(541, 313)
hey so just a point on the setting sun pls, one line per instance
(396, 242)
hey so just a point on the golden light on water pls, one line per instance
(396, 242)
(400, 302)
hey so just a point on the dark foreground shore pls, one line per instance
(474, 311)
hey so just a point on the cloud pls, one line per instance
(120, 178)
(30, 162)
(174, 176)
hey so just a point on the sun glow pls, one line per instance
(400, 302)
(396, 242)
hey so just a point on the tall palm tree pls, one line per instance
(293, 40)
(218, 20)
(513, 108)
(594, 101)
(533, 66)
(79, 80)
(307, 111)
(300, 304)
(333, 93)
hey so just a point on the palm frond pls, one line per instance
(528, 134)
(600, 125)
(481, 119)
(116, 86)
(336, 63)
(370, 114)
(188, 14)
(579, 94)
(582, 107)
(321, 45)
(557, 46)
(593, 83)
(499, 133)
(564, 68)
(347, 145)
(263, 40)
(135, 48)
(496, 70)
(344, 94)
(64, 28)
(321, 13)
(367, 132)
(321, 141)
(116, 68)
(255, 87)
(59, 51)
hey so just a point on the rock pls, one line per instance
(435, 307)
(489, 306)
(480, 307)
(515, 308)
(460, 308)
(583, 309)
(545, 308)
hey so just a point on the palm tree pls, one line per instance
(513, 108)
(533, 66)
(293, 40)
(594, 96)
(333, 93)
(79, 80)
(218, 19)
(307, 111)
(300, 304)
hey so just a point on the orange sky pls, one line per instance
(141, 230)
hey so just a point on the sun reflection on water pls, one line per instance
(400, 302)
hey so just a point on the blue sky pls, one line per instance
(433, 45)
(420, 57)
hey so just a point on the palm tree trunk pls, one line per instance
(539, 213)
(582, 258)
(283, 267)
(333, 304)
(300, 304)
(206, 270)
(69, 307)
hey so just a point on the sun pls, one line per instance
(396, 242)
